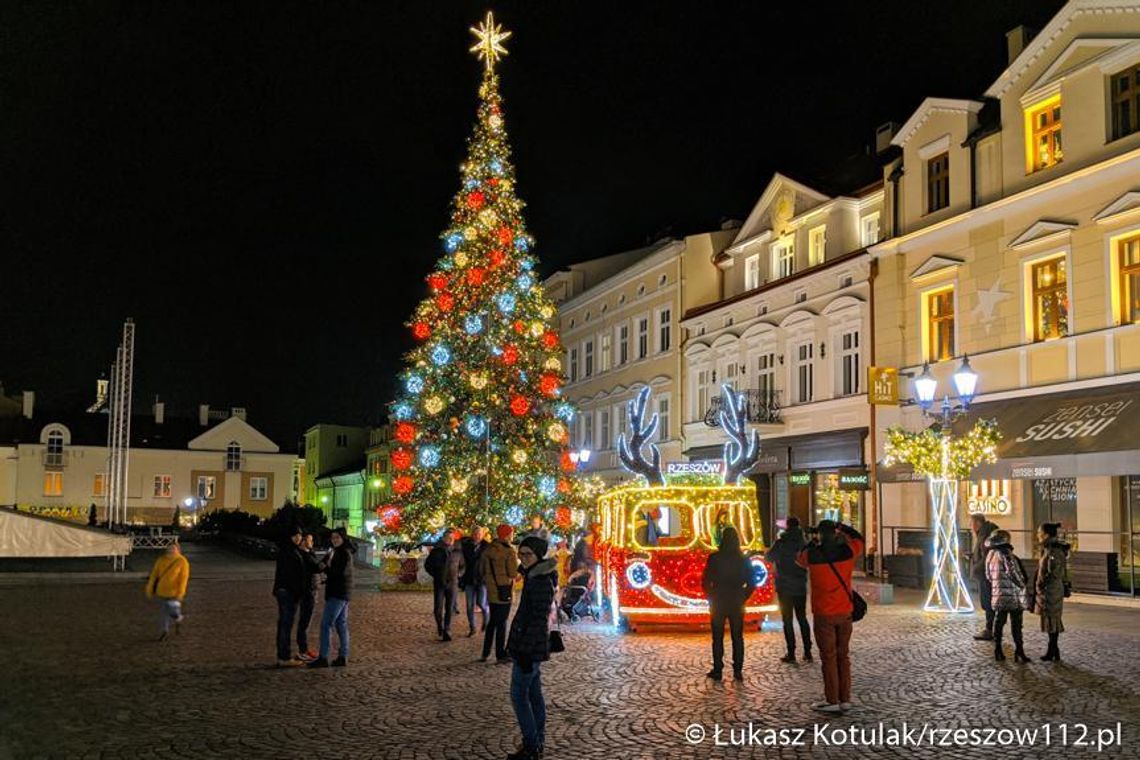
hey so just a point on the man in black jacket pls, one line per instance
(444, 564)
(288, 588)
(309, 597)
(471, 582)
(791, 587)
(529, 645)
(728, 582)
(982, 528)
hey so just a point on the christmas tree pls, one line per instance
(481, 430)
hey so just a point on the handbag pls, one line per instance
(556, 643)
(858, 603)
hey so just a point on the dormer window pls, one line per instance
(817, 245)
(1125, 89)
(54, 455)
(938, 183)
(784, 257)
(1043, 134)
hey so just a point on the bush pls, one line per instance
(230, 521)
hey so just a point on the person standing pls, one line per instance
(830, 561)
(1051, 575)
(791, 587)
(1007, 579)
(529, 645)
(981, 529)
(338, 590)
(167, 582)
(471, 582)
(538, 529)
(445, 566)
(728, 582)
(308, 597)
(288, 588)
(498, 566)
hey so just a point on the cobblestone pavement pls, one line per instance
(84, 677)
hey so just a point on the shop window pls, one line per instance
(938, 183)
(1125, 91)
(939, 317)
(1043, 134)
(1128, 259)
(1050, 303)
(1055, 500)
(835, 503)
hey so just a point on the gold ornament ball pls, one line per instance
(519, 455)
(433, 405)
(556, 431)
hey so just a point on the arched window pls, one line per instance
(233, 456)
(54, 456)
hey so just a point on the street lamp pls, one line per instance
(965, 384)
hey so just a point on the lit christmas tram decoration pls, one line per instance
(658, 532)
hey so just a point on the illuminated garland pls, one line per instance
(935, 455)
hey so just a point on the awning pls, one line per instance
(1093, 431)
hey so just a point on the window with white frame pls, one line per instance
(804, 372)
(588, 359)
(729, 373)
(161, 487)
(623, 344)
(703, 380)
(752, 272)
(620, 415)
(817, 245)
(642, 337)
(259, 488)
(207, 486)
(573, 365)
(233, 456)
(784, 257)
(605, 341)
(766, 374)
(54, 457)
(664, 329)
(53, 484)
(605, 439)
(663, 418)
(850, 364)
(869, 229)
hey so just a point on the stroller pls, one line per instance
(578, 597)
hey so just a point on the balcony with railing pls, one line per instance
(53, 460)
(763, 407)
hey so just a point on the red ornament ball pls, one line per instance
(445, 302)
(401, 459)
(520, 405)
(389, 517)
(505, 235)
(476, 200)
(562, 517)
(564, 486)
(550, 340)
(497, 257)
(476, 275)
(421, 330)
(493, 182)
(403, 485)
(549, 385)
(405, 432)
(437, 281)
(568, 463)
(519, 326)
(510, 355)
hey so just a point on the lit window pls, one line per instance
(752, 272)
(1128, 251)
(1043, 132)
(805, 373)
(233, 456)
(207, 486)
(161, 486)
(53, 484)
(870, 229)
(938, 182)
(664, 329)
(817, 245)
(784, 257)
(100, 486)
(1049, 284)
(849, 362)
(258, 488)
(1125, 87)
(940, 325)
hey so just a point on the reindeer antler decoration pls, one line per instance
(630, 453)
(741, 452)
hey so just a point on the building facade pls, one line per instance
(328, 449)
(1017, 222)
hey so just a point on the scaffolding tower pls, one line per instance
(119, 427)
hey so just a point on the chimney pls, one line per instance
(1016, 40)
(239, 412)
(29, 403)
(883, 135)
(203, 414)
(159, 412)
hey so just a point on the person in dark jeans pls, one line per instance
(728, 582)
(309, 598)
(445, 566)
(791, 587)
(498, 566)
(529, 645)
(471, 582)
(982, 528)
(338, 590)
(288, 588)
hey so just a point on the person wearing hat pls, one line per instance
(498, 566)
(529, 645)
(288, 588)
(337, 568)
(1010, 596)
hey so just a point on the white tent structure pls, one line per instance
(27, 536)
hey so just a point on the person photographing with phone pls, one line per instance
(829, 558)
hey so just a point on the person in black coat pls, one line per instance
(471, 582)
(528, 644)
(309, 596)
(288, 589)
(728, 582)
(982, 529)
(337, 568)
(791, 587)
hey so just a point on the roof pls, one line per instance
(929, 106)
(91, 430)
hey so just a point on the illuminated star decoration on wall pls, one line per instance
(987, 303)
(491, 36)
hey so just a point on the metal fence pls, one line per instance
(763, 407)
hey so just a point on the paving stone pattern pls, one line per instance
(84, 677)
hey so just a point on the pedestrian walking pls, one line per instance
(791, 587)
(1052, 586)
(471, 582)
(288, 588)
(308, 596)
(445, 566)
(167, 582)
(981, 528)
(498, 565)
(830, 561)
(1010, 593)
(529, 645)
(728, 582)
(337, 568)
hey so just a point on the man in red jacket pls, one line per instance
(830, 560)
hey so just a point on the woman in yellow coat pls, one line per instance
(167, 583)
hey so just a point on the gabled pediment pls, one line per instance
(936, 263)
(1125, 204)
(236, 429)
(784, 198)
(926, 109)
(1107, 53)
(1040, 232)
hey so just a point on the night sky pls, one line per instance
(262, 186)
